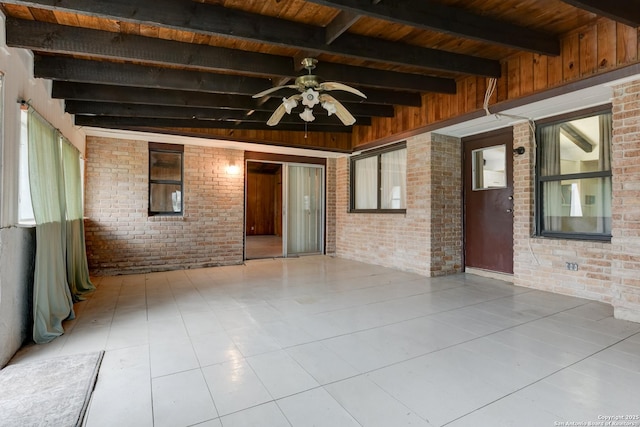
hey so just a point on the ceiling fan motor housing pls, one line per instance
(308, 81)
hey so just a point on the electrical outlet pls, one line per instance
(573, 266)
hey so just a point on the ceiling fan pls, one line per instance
(312, 92)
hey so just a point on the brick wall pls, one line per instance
(540, 263)
(608, 272)
(427, 239)
(330, 234)
(626, 200)
(122, 238)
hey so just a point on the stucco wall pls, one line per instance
(17, 254)
(17, 245)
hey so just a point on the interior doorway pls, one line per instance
(488, 201)
(263, 228)
(284, 209)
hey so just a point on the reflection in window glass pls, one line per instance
(393, 169)
(578, 205)
(165, 179)
(489, 168)
(366, 177)
(379, 180)
(165, 197)
(165, 166)
(575, 177)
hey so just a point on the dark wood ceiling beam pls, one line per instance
(62, 39)
(88, 108)
(86, 71)
(625, 11)
(363, 47)
(101, 72)
(435, 16)
(340, 24)
(215, 20)
(53, 38)
(376, 78)
(175, 98)
(127, 123)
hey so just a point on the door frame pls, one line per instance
(246, 195)
(485, 135)
(285, 161)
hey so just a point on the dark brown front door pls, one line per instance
(488, 201)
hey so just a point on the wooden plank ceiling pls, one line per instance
(191, 67)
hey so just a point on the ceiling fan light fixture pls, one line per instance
(312, 92)
(310, 98)
(289, 104)
(307, 115)
(330, 107)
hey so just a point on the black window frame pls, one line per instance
(352, 179)
(539, 179)
(166, 148)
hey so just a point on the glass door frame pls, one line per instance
(285, 208)
(285, 205)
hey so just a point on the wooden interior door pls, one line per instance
(264, 199)
(488, 201)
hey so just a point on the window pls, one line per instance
(165, 179)
(379, 180)
(25, 208)
(489, 167)
(574, 177)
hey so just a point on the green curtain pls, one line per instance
(52, 301)
(77, 266)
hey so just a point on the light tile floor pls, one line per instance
(321, 341)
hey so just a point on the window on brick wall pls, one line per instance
(25, 208)
(165, 179)
(574, 177)
(379, 180)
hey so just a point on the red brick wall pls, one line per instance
(330, 233)
(540, 263)
(608, 272)
(122, 238)
(428, 238)
(626, 201)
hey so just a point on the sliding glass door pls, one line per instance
(304, 210)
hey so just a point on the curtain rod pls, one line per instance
(27, 103)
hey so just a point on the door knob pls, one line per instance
(509, 210)
(510, 197)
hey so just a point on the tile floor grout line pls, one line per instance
(466, 341)
(525, 291)
(543, 378)
(448, 311)
(259, 292)
(416, 318)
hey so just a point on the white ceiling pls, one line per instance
(567, 102)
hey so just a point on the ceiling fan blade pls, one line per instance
(343, 114)
(341, 86)
(277, 115)
(273, 89)
(282, 108)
